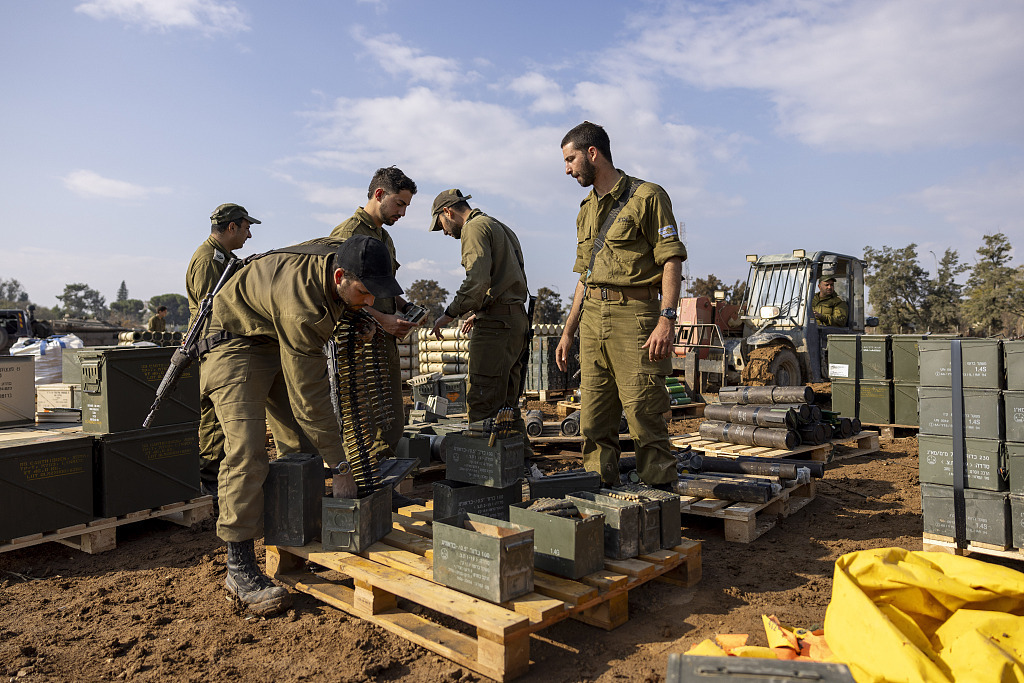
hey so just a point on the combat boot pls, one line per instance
(251, 586)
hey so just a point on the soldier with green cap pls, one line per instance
(268, 329)
(495, 294)
(829, 308)
(628, 255)
(229, 229)
(389, 194)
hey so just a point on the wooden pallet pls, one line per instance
(947, 544)
(688, 410)
(746, 522)
(889, 432)
(861, 444)
(100, 535)
(547, 395)
(400, 568)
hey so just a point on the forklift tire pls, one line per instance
(785, 368)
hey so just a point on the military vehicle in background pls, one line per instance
(16, 323)
(772, 336)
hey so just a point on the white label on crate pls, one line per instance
(838, 370)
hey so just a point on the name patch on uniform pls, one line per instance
(668, 231)
(217, 256)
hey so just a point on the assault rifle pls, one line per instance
(190, 347)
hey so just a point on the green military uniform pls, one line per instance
(495, 288)
(362, 224)
(156, 324)
(833, 310)
(204, 271)
(282, 309)
(620, 311)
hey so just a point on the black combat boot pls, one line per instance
(254, 588)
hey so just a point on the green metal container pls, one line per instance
(987, 514)
(981, 368)
(1015, 463)
(71, 363)
(415, 446)
(1017, 520)
(484, 557)
(563, 546)
(983, 412)
(905, 353)
(1013, 362)
(354, 524)
(874, 401)
(45, 484)
(986, 462)
(859, 356)
(470, 459)
(621, 522)
(145, 468)
(17, 391)
(671, 510)
(1013, 415)
(904, 404)
(454, 497)
(119, 385)
(844, 397)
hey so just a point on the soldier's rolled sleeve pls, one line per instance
(661, 228)
(476, 259)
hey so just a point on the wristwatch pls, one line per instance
(342, 468)
(669, 313)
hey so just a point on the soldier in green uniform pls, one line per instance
(495, 292)
(268, 329)
(389, 194)
(829, 308)
(229, 229)
(628, 252)
(157, 322)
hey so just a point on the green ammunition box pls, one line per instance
(859, 356)
(145, 468)
(904, 404)
(1015, 463)
(1013, 362)
(484, 557)
(985, 458)
(671, 510)
(45, 484)
(650, 522)
(291, 500)
(17, 391)
(563, 546)
(415, 446)
(71, 364)
(1017, 520)
(874, 401)
(454, 497)
(982, 363)
(470, 459)
(987, 514)
(983, 412)
(1013, 415)
(621, 522)
(844, 397)
(905, 353)
(354, 524)
(560, 485)
(119, 385)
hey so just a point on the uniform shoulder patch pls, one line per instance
(218, 256)
(668, 231)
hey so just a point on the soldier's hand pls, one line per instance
(659, 344)
(562, 353)
(395, 325)
(468, 323)
(442, 321)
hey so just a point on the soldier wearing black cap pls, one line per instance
(495, 292)
(829, 308)
(272, 320)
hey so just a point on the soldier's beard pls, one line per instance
(587, 173)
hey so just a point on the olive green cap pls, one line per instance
(444, 200)
(233, 213)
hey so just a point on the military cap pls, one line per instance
(442, 201)
(369, 261)
(231, 213)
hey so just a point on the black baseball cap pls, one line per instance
(368, 260)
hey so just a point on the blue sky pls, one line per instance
(773, 125)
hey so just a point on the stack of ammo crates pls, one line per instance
(542, 373)
(991, 432)
(133, 468)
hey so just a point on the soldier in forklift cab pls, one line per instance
(829, 308)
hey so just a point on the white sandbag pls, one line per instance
(48, 354)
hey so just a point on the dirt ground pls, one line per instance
(154, 609)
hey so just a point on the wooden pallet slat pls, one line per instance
(861, 444)
(746, 522)
(947, 544)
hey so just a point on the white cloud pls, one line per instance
(864, 74)
(399, 59)
(980, 204)
(208, 16)
(87, 183)
(547, 94)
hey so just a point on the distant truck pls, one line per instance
(772, 336)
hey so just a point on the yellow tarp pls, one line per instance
(900, 615)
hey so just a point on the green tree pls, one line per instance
(897, 287)
(127, 312)
(940, 309)
(549, 308)
(430, 295)
(81, 301)
(707, 286)
(122, 292)
(12, 295)
(735, 293)
(177, 307)
(994, 289)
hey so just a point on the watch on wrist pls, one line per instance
(669, 313)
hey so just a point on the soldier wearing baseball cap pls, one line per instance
(829, 308)
(443, 201)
